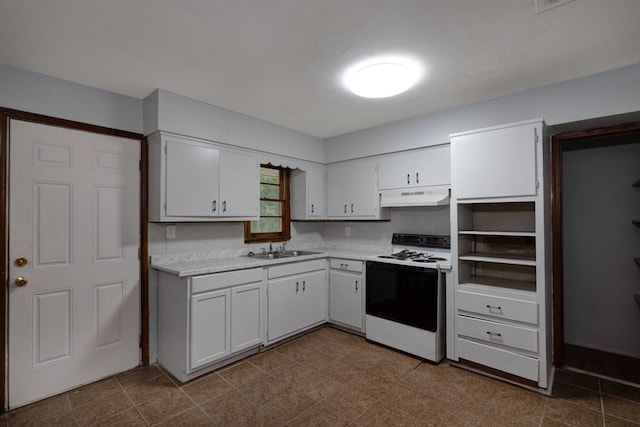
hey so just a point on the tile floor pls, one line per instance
(332, 378)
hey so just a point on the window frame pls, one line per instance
(285, 199)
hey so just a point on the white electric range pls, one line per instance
(405, 298)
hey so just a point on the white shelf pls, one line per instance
(499, 258)
(491, 284)
(498, 233)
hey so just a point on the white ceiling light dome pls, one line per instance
(382, 77)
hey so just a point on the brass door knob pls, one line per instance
(21, 262)
(21, 281)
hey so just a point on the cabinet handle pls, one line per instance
(494, 307)
(214, 206)
(312, 208)
(494, 334)
(297, 287)
(304, 287)
(345, 208)
(408, 178)
(224, 206)
(351, 207)
(344, 266)
(417, 178)
(356, 286)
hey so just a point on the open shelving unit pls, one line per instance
(496, 245)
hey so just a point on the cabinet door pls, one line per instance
(281, 307)
(312, 305)
(239, 185)
(431, 166)
(352, 189)
(245, 316)
(363, 189)
(339, 178)
(395, 171)
(191, 179)
(316, 191)
(345, 298)
(210, 327)
(495, 163)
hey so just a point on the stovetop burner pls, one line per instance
(421, 249)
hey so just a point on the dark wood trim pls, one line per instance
(7, 114)
(556, 250)
(558, 142)
(4, 143)
(604, 363)
(498, 373)
(144, 252)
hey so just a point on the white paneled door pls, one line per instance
(74, 272)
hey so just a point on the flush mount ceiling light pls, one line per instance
(382, 77)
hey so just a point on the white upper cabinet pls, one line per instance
(308, 192)
(192, 180)
(239, 184)
(416, 168)
(352, 191)
(199, 178)
(496, 162)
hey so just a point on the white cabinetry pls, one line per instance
(352, 191)
(346, 291)
(297, 298)
(308, 192)
(416, 168)
(194, 180)
(207, 321)
(500, 253)
(497, 162)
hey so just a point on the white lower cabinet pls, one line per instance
(210, 327)
(207, 321)
(297, 298)
(246, 316)
(346, 292)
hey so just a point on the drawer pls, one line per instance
(499, 333)
(496, 358)
(296, 268)
(210, 282)
(345, 264)
(498, 307)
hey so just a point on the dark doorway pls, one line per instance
(595, 241)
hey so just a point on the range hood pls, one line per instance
(418, 196)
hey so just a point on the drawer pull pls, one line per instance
(297, 287)
(494, 334)
(304, 285)
(494, 307)
(356, 286)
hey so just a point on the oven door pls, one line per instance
(403, 294)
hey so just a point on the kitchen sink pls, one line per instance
(285, 254)
(298, 253)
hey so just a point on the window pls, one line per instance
(273, 225)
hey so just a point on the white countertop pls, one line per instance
(192, 267)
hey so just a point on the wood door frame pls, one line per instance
(572, 133)
(7, 114)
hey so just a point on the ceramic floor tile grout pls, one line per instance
(312, 354)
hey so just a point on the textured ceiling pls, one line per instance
(281, 60)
